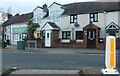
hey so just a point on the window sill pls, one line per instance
(79, 41)
(65, 41)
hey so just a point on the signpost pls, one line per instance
(110, 57)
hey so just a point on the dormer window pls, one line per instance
(37, 18)
(93, 17)
(73, 18)
(54, 15)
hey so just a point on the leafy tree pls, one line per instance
(31, 29)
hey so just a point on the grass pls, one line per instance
(119, 70)
(6, 71)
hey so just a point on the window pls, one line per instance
(94, 17)
(38, 34)
(54, 15)
(79, 35)
(37, 17)
(47, 35)
(66, 35)
(15, 37)
(24, 35)
(73, 18)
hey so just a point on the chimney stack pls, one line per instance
(45, 9)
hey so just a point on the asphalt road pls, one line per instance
(50, 61)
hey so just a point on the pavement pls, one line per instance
(56, 50)
(86, 71)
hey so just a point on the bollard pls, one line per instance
(110, 57)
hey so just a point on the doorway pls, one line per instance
(48, 38)
(91, 38)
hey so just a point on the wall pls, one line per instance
(56, 42)
(104, 19)
(16, 26)
(7, 32)
(38, 11)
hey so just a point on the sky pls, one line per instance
(26, 6)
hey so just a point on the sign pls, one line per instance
(20, 30)
(110, 56)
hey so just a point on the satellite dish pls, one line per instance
(76, 25)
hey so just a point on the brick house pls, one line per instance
(81, 25)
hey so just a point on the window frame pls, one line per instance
(74, 17)
(67, 34)
(15, 37)
(94, 16)
(81, 38)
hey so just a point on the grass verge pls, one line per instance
(6, 71)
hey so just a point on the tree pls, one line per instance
(31, 29)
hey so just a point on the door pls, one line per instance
(48, 38)
(91, 38)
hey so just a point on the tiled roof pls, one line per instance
(55, 3)
(53, 25)
(90, 7)
(19, 19)
(38, 7)
(10, 20)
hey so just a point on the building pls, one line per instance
(3, 18)
(74, 25)
(81, 25)
(15, 28)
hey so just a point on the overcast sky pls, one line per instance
(26, 6)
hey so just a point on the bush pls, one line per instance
(39, 42)
(6, 71)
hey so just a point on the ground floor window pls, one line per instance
(24, 35)
(112, 33)
(79, 35)
(15, 37)
(66, 34)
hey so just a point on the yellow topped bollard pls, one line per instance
(110, 56)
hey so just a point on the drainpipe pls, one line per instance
(73, 29)
(105, 23)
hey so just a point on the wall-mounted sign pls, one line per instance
(20, 30)
(76, 25)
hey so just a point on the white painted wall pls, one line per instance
(111, 17)
(16, 26)
(37, 12)
(104, 19)
(53, 8)
(7, 32)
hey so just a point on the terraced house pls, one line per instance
(78, 25)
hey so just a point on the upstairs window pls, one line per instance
(37, 17)
(66, 35)
(73, 18)
(93, 17)
(54, 15)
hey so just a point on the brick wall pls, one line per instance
(103, 45)
(56, 43)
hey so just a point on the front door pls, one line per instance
(91, 38)
(48, 38)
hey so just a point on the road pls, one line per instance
(34, 60)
